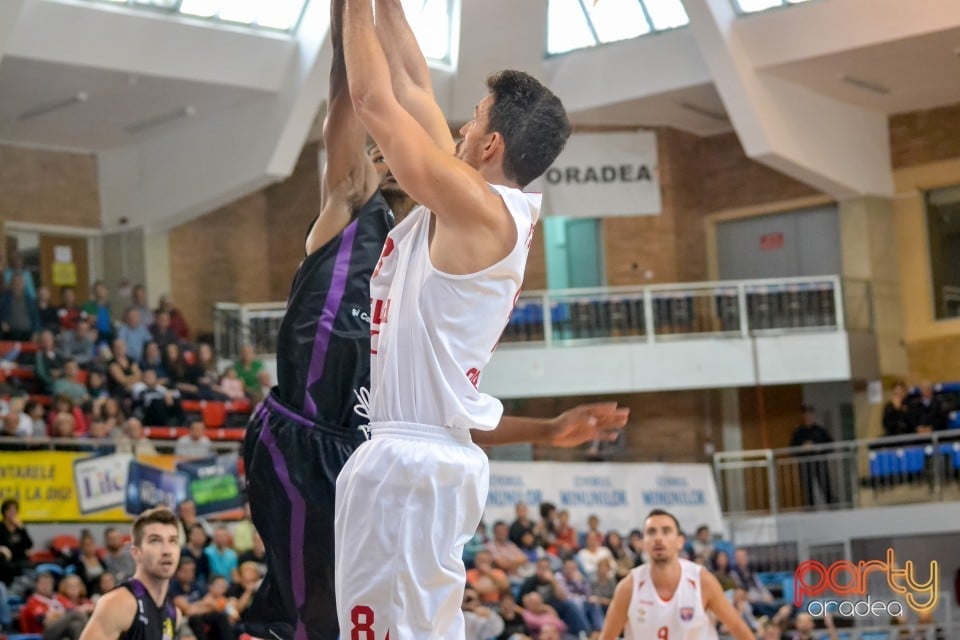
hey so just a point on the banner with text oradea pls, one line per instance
(621, 495)
(603, 174)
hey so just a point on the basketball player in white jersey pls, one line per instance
(410, 498)
(669, 598)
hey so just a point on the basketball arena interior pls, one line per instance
(751, 240)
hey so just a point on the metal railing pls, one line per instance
(101, 446)
(654, 313)
(841, 475)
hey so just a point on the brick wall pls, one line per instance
(49, 187)
(921, 137)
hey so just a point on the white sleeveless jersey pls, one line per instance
(681, 618)
(432, 333)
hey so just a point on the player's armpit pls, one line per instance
(715, 601)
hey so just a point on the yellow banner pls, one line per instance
(44, 483)
(64, 274)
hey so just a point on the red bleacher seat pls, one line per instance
(214, 414)
(64, 544)
(7, 346)
(42, 555)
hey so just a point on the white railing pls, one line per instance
(725, 309)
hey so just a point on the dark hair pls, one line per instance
(546, 508)
(702, 527)
(9, 502)
(532, 121)
(157, 515)
(661, 512)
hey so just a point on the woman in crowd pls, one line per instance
(15, 542)
(87, 565)
(622, 555)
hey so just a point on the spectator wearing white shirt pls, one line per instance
(16, 415)
(591, 555)
(195, 444)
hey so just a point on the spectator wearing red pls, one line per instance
(177, 321)
(63, 406)
(488, 581)
(69, 312)
(46, 613)
(567, 540)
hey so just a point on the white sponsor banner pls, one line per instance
(101, 481)
(603, 174)
(621, 495)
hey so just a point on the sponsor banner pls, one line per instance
(621, 495)
(62, 486)
(603, 174)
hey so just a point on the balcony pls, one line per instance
(655, 338)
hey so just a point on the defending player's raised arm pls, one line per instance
(111, 617)
(409, 73)
(584, 423)
(349, 178)
(429, 174)
(715, 601)
(616, 618)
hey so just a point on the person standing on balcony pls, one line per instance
(896, 413)
(813, 474)
(926, 412)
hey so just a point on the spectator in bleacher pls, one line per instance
(110, 411)
(243, 532)
(604, 585)
(580, 594)
(68, 313)
(49, 314)
(163, 334)
(194, 444)
(153, 360)
(591, 555)
(805, 628)
(532, 549)
(593, 524)
(539, 616)
(63, 407)
(521, 524)
(197, 541)
(15, 542)
(74, 595)
(79, 343)
(138, 300)
(635, 544)
(38, 421)
(721, 570)
(927, 413)
(702, 544)
(475, 544)
(178, 372)
(17, 422)
(118, 559)
(547, 526)
(544, 582)
(203, 374)
(123, 371)
(134, 335)
(220, 555)
(257, 554)
(9, 425)
(567, 540)
(155, 404)
(104, 584)
(69, 384)
(177, 321)
(97, 309)
(19, 316)
(622, 554)
(480, 622)
(48, 365)
(896, 413)
(232, 385)
(760, 598)
(487, 580)
(769, 630)
(133, 440)
(201, 609)
(7, 626)
(97, 390)
(248, 367)
(506, 555)
(87, 563)
(100, 434)
(16, 268)
(512, 616)
(265, 383)
(240, 594)
(809, 433)
(45, 613)
(64, 425)
(187, 519)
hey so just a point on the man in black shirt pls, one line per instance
(141, 609)
(926, 413)
(808, 434)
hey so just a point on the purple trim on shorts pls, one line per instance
(297, 524)
(329, 314)
(275, 406)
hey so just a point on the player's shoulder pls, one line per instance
(119, 605)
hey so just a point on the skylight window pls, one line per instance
(755, 6)
(577, 24)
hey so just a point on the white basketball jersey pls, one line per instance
(432, 333)
(681, 618)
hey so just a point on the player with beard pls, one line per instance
(140, 608)
(669, 598)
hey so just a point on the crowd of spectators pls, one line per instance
(221, 567)
(105, 378)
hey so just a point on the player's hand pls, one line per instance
(588, 422)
